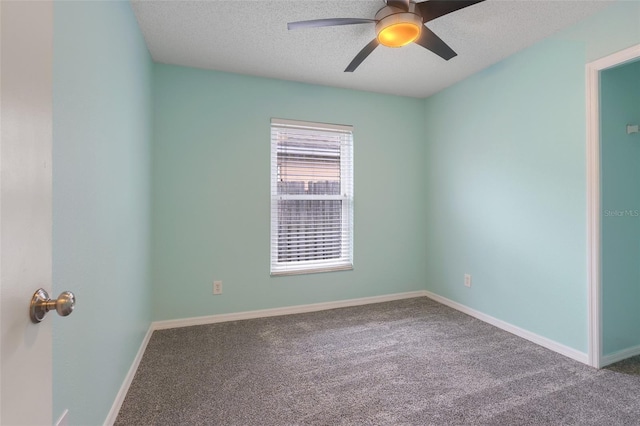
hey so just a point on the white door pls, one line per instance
(26, 30)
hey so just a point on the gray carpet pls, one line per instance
(408, 362)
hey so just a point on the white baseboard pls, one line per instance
(619, 355)
(211, 319)
(63, 420)
(298, 309)
(314, 307)
(115, 408)
(520, 332)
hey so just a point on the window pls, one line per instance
(311, 197)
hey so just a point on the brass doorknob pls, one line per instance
(41, 304)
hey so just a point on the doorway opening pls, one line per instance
(612, 219)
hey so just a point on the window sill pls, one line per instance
(311, 271)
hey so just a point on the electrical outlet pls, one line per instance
(467, 280)
(217, 287)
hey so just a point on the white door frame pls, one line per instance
(593, 196)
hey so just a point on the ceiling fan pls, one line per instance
(398, 23)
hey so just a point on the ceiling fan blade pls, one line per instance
(429, 40)
(366, 51)
(433, 9)
(400, 4)
(331, 22)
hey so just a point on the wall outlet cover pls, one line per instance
(467, 280)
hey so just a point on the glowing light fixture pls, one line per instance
(398, 29)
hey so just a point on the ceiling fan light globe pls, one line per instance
(399, 29)
(398, 35)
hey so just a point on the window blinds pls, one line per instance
(311, 197)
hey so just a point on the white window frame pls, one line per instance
(345, 262)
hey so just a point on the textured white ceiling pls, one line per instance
(251, 37)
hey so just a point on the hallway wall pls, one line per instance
(620, 174)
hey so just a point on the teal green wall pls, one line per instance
(211, 165)
(101, 196)
(486, 177)
(506, 181)
(620, 171)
